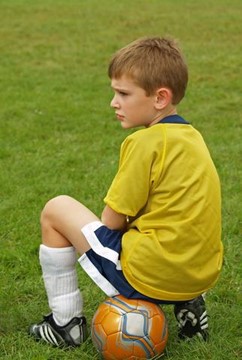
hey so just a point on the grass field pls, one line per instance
(58, 135)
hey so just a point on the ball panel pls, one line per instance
(115, 305)
(102, 312)
(158, 328)
(112, 323)
(99, 337)
(143, 348)
(149, 307)
(116, 345)
(134, 324)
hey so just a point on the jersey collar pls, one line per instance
(173, 119)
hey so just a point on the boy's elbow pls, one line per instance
(113, 220)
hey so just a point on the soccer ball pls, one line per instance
(129, 329)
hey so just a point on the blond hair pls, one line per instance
(152, 62)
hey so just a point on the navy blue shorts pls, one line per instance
(102, 262)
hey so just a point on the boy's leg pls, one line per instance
(61, 223)
(192, 319)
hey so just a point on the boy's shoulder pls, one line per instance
(144, 140)
(144, 132)
(145, 135)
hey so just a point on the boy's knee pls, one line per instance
(51, 207)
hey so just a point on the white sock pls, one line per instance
(60, 279)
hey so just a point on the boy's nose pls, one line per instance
(114, 103)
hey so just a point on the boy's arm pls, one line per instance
(114, 220)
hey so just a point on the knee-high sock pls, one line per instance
(60, 279)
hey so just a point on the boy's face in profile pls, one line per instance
(131, 104)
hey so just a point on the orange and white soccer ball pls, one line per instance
(128, 329)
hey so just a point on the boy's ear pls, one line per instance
(163, 98)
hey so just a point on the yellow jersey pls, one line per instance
(168, 185)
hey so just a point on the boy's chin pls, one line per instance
(128, 126)
(125, 125)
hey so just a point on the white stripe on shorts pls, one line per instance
(97, 277)
(98, 248)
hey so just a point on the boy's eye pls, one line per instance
(122, 93)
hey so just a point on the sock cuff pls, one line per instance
(57, 260)
(68, 249)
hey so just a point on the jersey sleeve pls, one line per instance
(130, 188)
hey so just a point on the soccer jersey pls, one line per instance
(167, 184)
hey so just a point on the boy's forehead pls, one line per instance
(123, 82)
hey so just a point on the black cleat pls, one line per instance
(71, 335)
(192, 319)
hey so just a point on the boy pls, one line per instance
(159, 234)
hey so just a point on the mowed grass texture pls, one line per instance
(58, 135)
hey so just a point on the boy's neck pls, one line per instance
(166, 112)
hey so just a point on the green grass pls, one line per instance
(58, 135)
